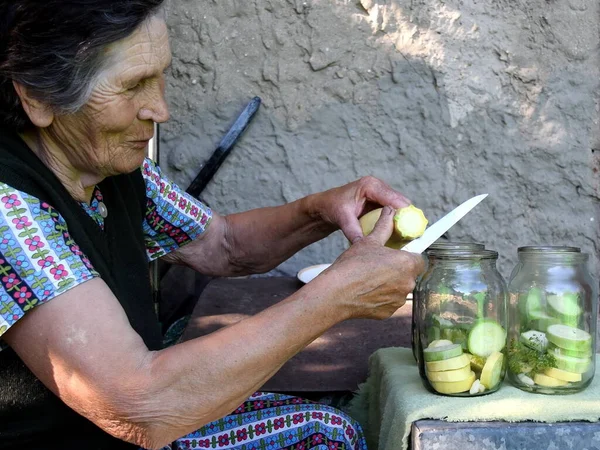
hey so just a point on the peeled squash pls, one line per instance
(409, 224)
(454, 387)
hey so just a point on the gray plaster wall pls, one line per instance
(441, 99)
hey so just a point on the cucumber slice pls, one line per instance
(450, 375)
(565, 307)
(486, 337)
(454, 387)
(490, 375)
(441, 353)
(571, 364)
(541, 321)
(448, 364)
(563, 375)
(545, 380)
(557, 351)
(535, 340)
(570, 338)
(533, 303)
(439, 343)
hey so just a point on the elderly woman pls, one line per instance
(82, 212)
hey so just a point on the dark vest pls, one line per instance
(32, 417)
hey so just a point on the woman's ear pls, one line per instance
(40, 114)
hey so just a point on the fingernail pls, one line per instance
(387, 210)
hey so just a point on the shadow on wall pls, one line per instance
(441, 101)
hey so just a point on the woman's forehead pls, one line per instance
(145, 49)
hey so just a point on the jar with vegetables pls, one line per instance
(436, 246)
(461, 320)
(552, 321)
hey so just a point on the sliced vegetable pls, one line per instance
(540, 321)
(569, 338)
(490, 375)
(410, 222)
(477, 362)
(534, 303)
(450, 375)
(535, 340)
(486, 337)
(571, 364)
(565, 307)
(439, 343)
(563, 375)
(557, 351)
(441, 353)
(447, 364)
(545, 380)
(454, 387)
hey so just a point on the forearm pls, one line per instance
(254, 241)
(201, 380)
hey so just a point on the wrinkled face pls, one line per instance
(110, 134)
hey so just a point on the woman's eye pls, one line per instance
(135, 87)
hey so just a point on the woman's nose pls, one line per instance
(155, 107)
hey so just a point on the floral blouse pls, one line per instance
(39, 260)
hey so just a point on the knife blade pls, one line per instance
(435, 231)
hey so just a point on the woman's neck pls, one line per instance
(79, 184)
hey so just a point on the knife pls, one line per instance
(435, 231)
(418, 246)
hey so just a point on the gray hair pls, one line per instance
(58, 52)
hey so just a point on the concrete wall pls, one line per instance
(441, 99)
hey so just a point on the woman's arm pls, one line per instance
(83, 348)
(256, 241)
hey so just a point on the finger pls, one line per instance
(379, 192)
(417, 262)
(384, 227)
(351, 228)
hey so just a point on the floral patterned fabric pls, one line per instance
(39, 260)
(275, 421)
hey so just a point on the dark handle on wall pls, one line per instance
(212, 165)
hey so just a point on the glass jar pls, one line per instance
(436, 246)
(461, 321)
(553, 306)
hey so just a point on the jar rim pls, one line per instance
(563, 257)
(463, 254)
(455, 245)
(548, 249)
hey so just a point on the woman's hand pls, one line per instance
(374, 280)
(343, 206)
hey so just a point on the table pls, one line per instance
(437, 434)
(336, 361)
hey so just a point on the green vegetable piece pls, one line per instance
(565, 307)
(540, 321)
(569, 338)
(443, 352)
(486, 337)
(557, 351)
(571, 364)
(534, 302)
